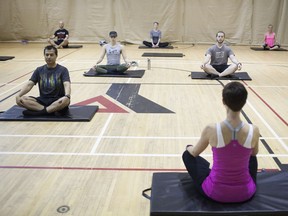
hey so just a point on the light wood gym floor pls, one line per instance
(101, 167)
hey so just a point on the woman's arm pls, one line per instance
(202, 143)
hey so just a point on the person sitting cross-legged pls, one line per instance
(216, 59)
(54, 87)
(113, 50)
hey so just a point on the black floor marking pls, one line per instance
(127, 94)
(9, 96)
(63, 209)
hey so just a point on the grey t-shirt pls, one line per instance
(155, 35)
(219, 56)
(113, 54)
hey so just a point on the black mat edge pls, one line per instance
(127, 74)
(51, 118)
(204, 76)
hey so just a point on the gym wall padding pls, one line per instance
(195, 21)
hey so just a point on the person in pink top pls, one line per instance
(234, 144)
(270, 42)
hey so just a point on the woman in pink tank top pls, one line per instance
(270, 42)
(232, 178)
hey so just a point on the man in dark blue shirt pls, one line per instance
(54, 87)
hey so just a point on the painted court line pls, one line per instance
(121, 154)
(112, 169)
(280, 117)
(268, 126)
(119, 137)
(99, 138)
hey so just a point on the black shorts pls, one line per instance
(45, 101)
(220, 68)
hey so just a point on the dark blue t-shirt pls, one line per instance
(50, 80)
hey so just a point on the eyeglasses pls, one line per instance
(113, 36)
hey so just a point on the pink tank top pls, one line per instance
(270, 39)
(229, 179)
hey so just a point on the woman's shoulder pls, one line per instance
(210, 128)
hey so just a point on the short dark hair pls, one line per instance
(112, 34)
(50, 47)
(234, 96)
(220, 32)
(156, 23)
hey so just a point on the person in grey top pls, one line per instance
(113, 51)
(216, 58)
(155, 36)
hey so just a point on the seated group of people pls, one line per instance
(56, 95)
(232, 177)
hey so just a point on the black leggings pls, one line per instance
(112, 69)
(161, 44)
(198, 169)
(266, 47)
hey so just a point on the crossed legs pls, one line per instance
(36, 107)
(220, 70)
(57, 44)
(117, 69)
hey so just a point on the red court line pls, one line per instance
(107, 169)
(266, 104)
(91, 168)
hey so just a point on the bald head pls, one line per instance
(61, 24)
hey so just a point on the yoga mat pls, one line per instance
(128, 73)
(261, 49)
(5, 58)
(75, 113)
(174, 194)
(235, 76)
(73, 46)
(146, 47)
(162, 54)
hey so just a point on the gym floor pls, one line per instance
(101, 167)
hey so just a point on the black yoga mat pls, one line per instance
(5, 58)
(175, 194)
(73, 46)
(146, 47)
(128, 73)
(75, 113)
(261, 49)
(162, 54)
(235, 76)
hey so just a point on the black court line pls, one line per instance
(9, 96)
(282, 167)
